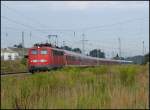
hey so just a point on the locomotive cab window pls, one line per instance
(34, 52)
(44, 52)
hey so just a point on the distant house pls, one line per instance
(8, 54)
(19, 51)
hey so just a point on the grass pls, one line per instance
(13, 66)
(123, 87)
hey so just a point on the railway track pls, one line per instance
(14, 73)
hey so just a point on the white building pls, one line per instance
(8, 54)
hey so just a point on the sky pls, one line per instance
(101, 22)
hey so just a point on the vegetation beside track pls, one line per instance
(117, 86)
(13, 66)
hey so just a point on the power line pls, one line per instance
(57, 30)
(89, 28)
(108, 25)
(25, 25)
(37, 22)
(16, 22)
(16, 29)
(13, 10)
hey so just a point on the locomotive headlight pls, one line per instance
(34, 61)
(43, 60)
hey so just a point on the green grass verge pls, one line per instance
(13, 66)
(124, 86)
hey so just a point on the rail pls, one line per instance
(11, 73)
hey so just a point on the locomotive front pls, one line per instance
(38, 59)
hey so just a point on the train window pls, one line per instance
(44, 52)
(34, 52)
(54, 52)
(61, 53)
(58, 53)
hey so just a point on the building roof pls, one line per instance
(4, 50)
(19, 50)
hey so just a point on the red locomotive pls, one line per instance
(47, 57)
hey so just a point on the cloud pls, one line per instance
(77, 5)
(83, 5)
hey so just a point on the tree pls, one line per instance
(77, 50)
(18, 46)
(15, 45)
(146, 58)
(67, 48)
(97, 53)
(116, 57)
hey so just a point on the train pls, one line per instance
(47, 57)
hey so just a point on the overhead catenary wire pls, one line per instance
(89, 28)
(13, 28)
(109, 25)
(25, 25)
(33, 20)
(37, 22)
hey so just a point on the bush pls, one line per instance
(76, 88)
(13, 66)
(127, 75)
(99, 70)
(24, 61)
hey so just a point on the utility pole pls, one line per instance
(22, 44)
(83, 40)
(57, 39)
(143, 48)
(119, 46)
(97, 56)
(6, 34)
(112, 54)
(49, 37)
(63, 43)
(30, 35)
(74, 34)
(97, 53)
(83, 44)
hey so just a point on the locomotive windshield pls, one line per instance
(44, 52)
(34, 52)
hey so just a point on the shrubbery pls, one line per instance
(78, 88)
(13, 66)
